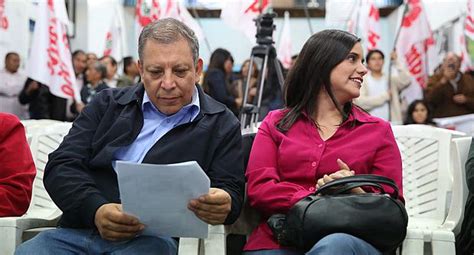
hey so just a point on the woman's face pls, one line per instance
(245, 69)
(375, 62)
(346, 78)
(228, 66)
(420, 114)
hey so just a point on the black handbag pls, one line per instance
(378, 218)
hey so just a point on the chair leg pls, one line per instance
(10, 238)
(443, 248)
(412, 246)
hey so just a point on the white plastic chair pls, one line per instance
(460, 151)
(426, 156)
(42, 211)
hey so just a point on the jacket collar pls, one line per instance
(207, 104)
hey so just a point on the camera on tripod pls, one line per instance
(265, 28)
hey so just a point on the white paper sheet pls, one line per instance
(159, 194)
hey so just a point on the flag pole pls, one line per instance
(198, 19)
(306, 13)
(390, 63)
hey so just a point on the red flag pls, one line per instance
(365, 22)
(144, 14)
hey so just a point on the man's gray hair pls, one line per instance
(99, 67)
(168, 31)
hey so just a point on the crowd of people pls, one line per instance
(312, 132)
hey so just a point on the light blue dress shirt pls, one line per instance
(155, 126)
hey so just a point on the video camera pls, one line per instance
(265, 28)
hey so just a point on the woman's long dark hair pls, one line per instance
(218, 58)
(411, 108)
(311, 74)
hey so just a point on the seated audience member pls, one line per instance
(419, 113)
(95, 74)
(154, 122)
(376, 96)
(42, 104)
(130, 73)
(465, 239)
(252, 85)
(17, 168)
(111, 65)
(91, 58)
(217, 80)
(318, 137)
(450, 92)
(11, 83)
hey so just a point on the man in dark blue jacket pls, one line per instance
(167, 119)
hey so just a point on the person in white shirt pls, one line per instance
(11, 84)
(377, 96)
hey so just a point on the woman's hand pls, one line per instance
(344, 171)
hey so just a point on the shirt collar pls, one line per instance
(193, 107)
(356, 114)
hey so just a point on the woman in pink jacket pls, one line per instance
(319, 136)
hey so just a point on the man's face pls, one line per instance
(451, 61)
(169, 74)
(79, 63)
(111, 69)
(12, 63)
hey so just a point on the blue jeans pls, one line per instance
(338, 243)
(87, 241)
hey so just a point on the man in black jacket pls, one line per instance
(167, 119)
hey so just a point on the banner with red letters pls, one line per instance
(469, 23)
(414, 43)
(365, 23)
(50, 60)
(14, 26)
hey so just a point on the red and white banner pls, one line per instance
(240, 15)
(365, 23)
(469, 23)
(459, 46)
(414, 46)
(50, 61)
(284, 47)
(114, 39)
(14, 28)
(151, 10)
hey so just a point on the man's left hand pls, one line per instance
(213, 207)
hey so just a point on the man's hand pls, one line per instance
(114, 225)
(33, 86)
(460, 99)
(448, 74)
(213, 207)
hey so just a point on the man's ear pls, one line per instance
(199, 67)
(140, 68)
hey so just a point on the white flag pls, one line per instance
(413, 45)
(469, 23)
(240, 15)
(177, 10)
(145, 13)
(365, 23)
(284, 48)
(114, 38)
(50, 61)
(14, 28)
(459, 46)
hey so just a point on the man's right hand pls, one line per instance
(33, 86)
(114, 225)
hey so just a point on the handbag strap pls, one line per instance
(362, 180)
(347, 187)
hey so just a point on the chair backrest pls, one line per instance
(460, 151)
(249, 217)
(44, 140)
(425, 152)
